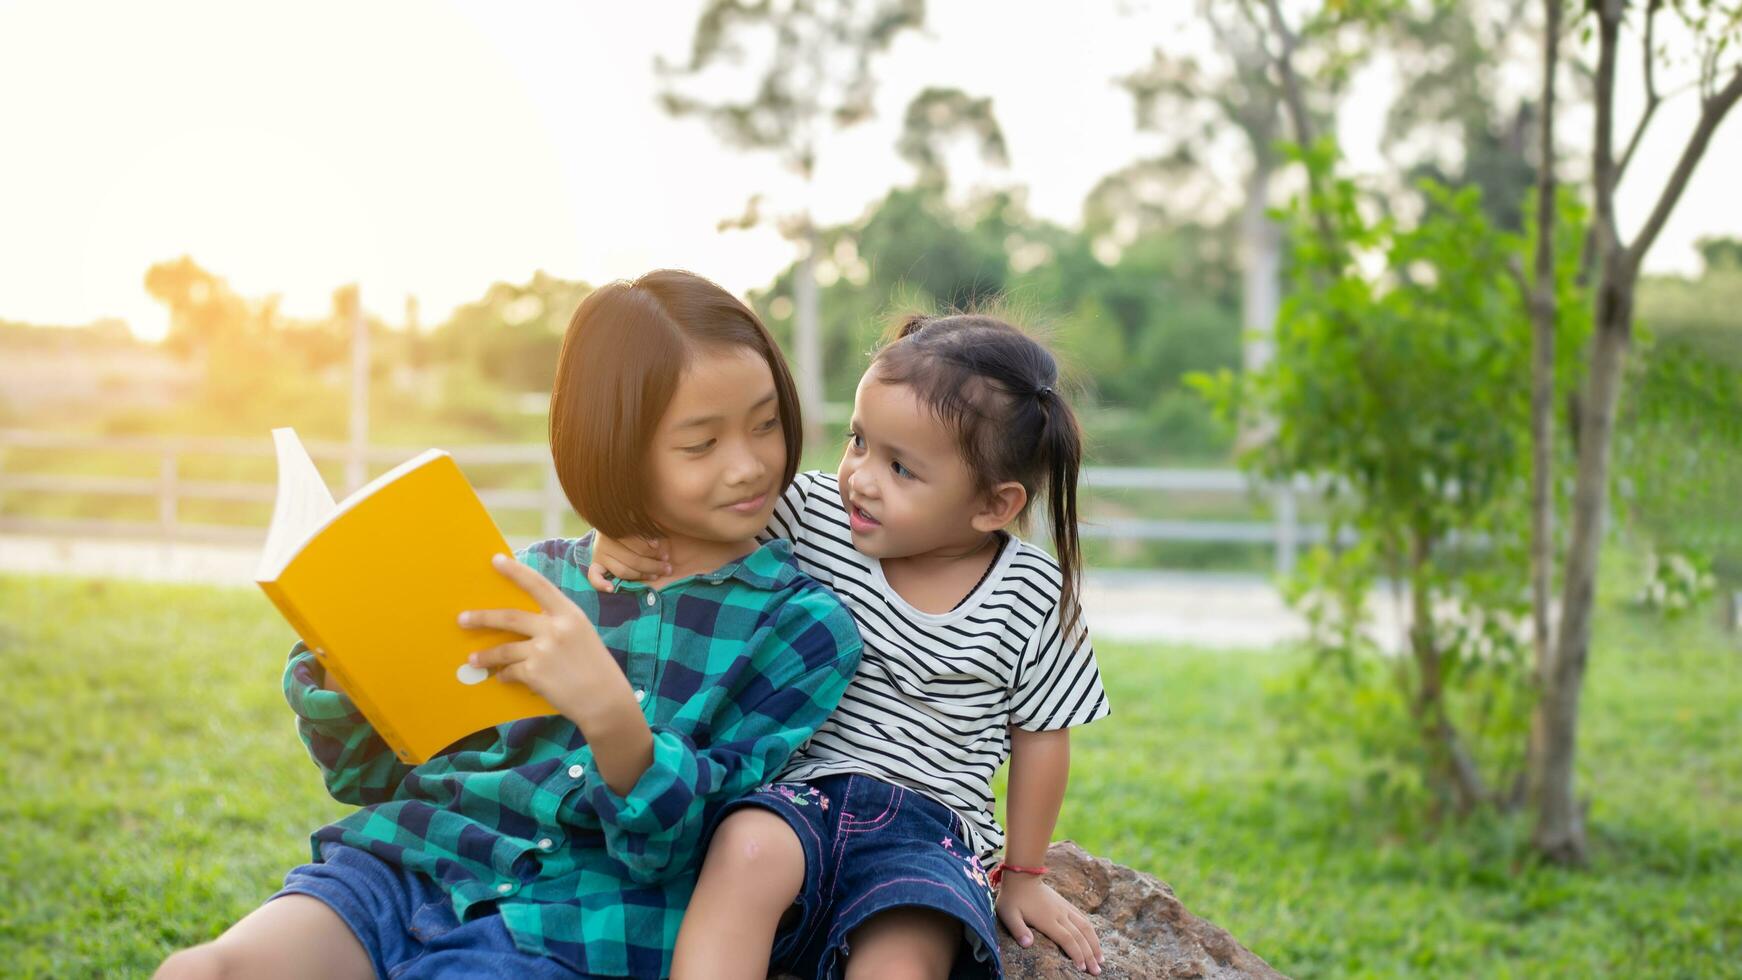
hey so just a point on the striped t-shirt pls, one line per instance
(935, 693)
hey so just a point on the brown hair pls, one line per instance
(625, 349)
(997, 389)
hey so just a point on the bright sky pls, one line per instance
(432, 148)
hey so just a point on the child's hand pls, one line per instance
(634, 560)
(1026, 903)
(562, 658)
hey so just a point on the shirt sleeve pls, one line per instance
(1058, 684)
(798, 671)
(355, 761)
(788, 518)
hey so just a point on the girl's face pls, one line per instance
(719, 453)
(905, 486)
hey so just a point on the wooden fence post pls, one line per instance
(554, 501)
(166, 481)
(1287, 529)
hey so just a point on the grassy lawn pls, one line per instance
(155, 791)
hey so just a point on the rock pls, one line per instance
(1145, 931)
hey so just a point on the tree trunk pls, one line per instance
(1452, 767)
(1560, 830)
(807, 336)
(1261, 282)
(1261, 276)
(1295, 102)
(1560, 827)
(1543, 317)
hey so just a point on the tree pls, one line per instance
(814, 75)
(1543, 318)
(1451, 114)
(938, 115)
(1717, 28)
(1559, 834)
(204, 312)
(1411, 419)
(511, 335)
(1195, 105)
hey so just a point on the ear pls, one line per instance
(999, 507)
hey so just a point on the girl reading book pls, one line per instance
(874, 836)
(569, 844)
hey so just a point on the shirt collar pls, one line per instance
(770, 566)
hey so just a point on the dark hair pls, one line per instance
(997, 388)
(625, 349)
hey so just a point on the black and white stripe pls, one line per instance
(931, 705)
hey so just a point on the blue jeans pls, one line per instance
(406, 921)
(871, 846)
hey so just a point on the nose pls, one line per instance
(744, 467)
(860, 483)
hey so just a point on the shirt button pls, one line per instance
(504, 888)
(651, 598)
(546, 844)
(575, 772)
(640, 694)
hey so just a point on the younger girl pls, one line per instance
(974, 651)
(569, 844)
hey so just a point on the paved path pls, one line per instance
(1214, 610)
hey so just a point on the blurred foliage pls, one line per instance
(512, 335)
(1450, 116)
(816, 76)
(1129, 328)
(1400, 387)
(1679, 441)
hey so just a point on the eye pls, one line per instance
(698, 449)
(900, 470)
(857, 441)
(770, 425)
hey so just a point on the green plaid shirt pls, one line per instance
(738, 668)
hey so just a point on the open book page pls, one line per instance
(304, 504)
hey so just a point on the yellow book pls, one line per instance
(375, 585)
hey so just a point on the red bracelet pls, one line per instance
(997, 875)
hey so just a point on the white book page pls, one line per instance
(304, 504)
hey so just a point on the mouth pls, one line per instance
(749, 505)
(860, 520)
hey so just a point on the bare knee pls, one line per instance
(903, 944)
(894, 964)
(207, 962)
(757, 848)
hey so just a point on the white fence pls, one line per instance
(1283, 532)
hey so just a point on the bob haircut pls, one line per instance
(622, 355)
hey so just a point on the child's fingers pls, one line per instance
(631, 570)
(1060, 931)
(1018, 928)
(542, 590)
(513, 620)
(596, 575)
(1088, 930)
(502, 655)
(1087, 956)
(1077, 947)
(653, 549)
(514, 673)
(635, 559)
(645, 565)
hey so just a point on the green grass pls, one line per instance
(155, 791)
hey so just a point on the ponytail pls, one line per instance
(1062, 447)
